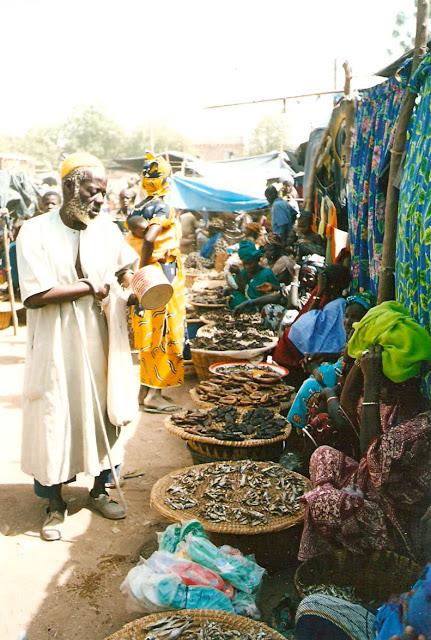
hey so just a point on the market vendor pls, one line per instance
(304, 240)
(319, 327)
(377, 503)
(68, 261)
(159, 333)
(253, 279)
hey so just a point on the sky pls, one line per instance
(144, 61)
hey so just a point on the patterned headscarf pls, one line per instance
(366, 299)
(155, 175)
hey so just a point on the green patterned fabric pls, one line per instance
(413, 264)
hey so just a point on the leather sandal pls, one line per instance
(51, 527)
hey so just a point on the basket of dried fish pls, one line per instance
(263, 372)
(209, 299)
(195, 624)
(242, 389)
(371, 578)
(203, 358)
(244, 497)
(228, 433)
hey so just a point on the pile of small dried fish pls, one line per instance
(245, 390)
(227, 423)
(228, 337)
(209, 296)
(185, 628)
(245, 492)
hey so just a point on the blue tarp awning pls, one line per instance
(192, 194)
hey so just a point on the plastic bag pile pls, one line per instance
(189, 572)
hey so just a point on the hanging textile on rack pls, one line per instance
(413, 257)
(376, 114)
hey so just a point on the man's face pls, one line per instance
(85, 196)
(48, 203)
(126, 199)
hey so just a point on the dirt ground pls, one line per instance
(69, 590)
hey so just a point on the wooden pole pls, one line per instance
(9, 277)
(386, 289)
(349, 110)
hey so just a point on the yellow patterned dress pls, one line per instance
(159, 333)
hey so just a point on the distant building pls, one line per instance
(17, 162)
(213, 151)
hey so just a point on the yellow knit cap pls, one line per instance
(80, 160)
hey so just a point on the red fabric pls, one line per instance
(365, 506)
(285, 353)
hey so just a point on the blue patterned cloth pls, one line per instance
(413, 263)
(376, 114)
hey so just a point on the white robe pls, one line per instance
(61, 431)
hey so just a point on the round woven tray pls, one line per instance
(205, 404)
(136, 630)
(201, 306)
(158, 494)
(374, 577)
(243, 444)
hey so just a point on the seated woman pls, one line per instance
(280, 260)
(304, 240)
(319, 327)
(252, 277)
(376, 503)
(280, 309)
(316, 405)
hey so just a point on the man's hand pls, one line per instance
(101, 292)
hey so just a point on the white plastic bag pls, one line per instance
(123, 385)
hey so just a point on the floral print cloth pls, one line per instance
(376, 114)
(413, 263)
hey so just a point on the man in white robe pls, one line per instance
(69, 260)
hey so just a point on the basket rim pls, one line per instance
(242, 444)
(279, 523)
(347, 557)
(257, 350)
(237, 622)
(210, 305)
(213, 367)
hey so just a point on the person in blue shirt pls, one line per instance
(283, 215)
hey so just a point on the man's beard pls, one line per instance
(77, 210)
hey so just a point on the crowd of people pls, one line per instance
(361, 418)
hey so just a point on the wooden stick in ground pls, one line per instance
(386, 289)
(9, 277)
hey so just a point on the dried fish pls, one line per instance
(246, 492)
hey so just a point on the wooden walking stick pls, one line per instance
(4, 213)
(386, 289)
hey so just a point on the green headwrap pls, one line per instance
(248, 252)
(404, 342)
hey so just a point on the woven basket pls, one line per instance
(374, 577)
(202, 358)
(137, 629)
(5, 319)
(243, 444)
(158, 494)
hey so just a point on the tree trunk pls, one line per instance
(386, 289)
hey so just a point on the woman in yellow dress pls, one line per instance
(159, 333)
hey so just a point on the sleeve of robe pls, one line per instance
(34, 269)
